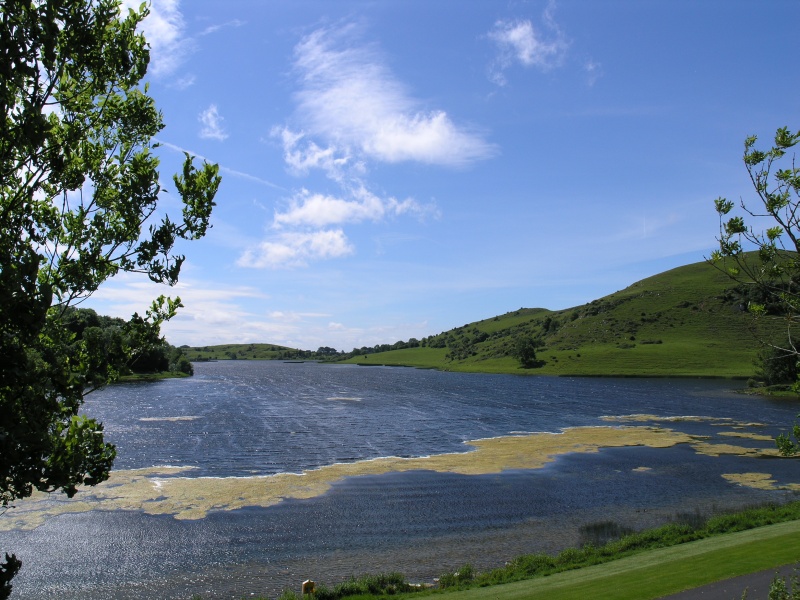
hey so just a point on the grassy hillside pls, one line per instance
(690, 321)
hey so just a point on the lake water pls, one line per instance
(187, 512)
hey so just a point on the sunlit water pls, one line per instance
(259, 418)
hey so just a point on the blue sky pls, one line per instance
(393, 169)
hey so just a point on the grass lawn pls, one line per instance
(661, 572)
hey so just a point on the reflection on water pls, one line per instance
(259, 419)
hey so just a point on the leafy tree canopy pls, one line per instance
(773, 271)
(78, 183)
(776, 180)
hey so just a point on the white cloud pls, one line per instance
(212, 124)
(226, 314)
(214, 28)
(319, 210)
(307, 216)
(184, 82)
(211, 312)
(349, 97)
(519, 42)
(164, 29)
(593, 70)
(165, 32)
(130, 293)
(296, 249)
(351, 110)
(301, 160)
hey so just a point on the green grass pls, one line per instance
(412, 357)
(152, 376)
(688, 358)
(684, 529)
(660, 572)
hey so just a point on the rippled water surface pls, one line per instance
(251, 419)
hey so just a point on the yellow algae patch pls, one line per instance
(173, 419)
(750, 436)
(713, 421)
(759, 481)
(642, 417)
(534, 451)
(166, 490)
(121, 490)
(720, 449)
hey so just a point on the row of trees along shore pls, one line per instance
(130, 347)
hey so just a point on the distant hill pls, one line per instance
(241, 352)
(690, 321)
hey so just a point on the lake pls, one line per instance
(252, 476)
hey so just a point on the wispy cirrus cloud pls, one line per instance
(349, 98)
(519, 42)
(170, 45)
(223, 168)
(214, 28)
(352, 111)
(212, 124)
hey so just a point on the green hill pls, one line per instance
(242, 352)
(690, 321)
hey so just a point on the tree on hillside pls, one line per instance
(524, 351)
(770, 224)
(78, 182)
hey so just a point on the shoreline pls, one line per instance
(519, 371)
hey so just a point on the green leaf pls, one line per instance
(773, 233)
(735, 226)
(723, 206)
